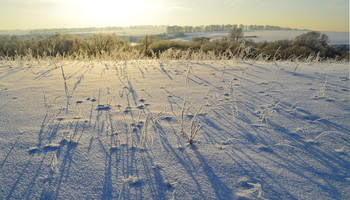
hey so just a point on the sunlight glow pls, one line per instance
(326, 15)
(110, 11)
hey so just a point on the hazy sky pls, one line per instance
(323, 15)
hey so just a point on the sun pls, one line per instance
(103, 12)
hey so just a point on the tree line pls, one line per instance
(227, 27)
(88, 29)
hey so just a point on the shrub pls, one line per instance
(161, 46)
(62, 45)
(110, 46)
(200, 39)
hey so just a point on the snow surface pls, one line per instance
(112, 130)
(335, 38)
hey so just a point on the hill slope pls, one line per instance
(121, 130)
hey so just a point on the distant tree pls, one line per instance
(236, 35)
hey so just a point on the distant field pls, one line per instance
(121, 32)
(260, 36)
(336, 38)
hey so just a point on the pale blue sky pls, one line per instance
(323, 15)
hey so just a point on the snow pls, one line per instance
(112, 129)
(336, 38)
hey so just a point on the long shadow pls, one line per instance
(8, 154)
(44, 73)
(133, 92)
(154, 177)
(303, 114)
(107, 191)
(187, 164)
(42, 134)
(303, 166)
(209, 66)
(164, 71)
(81, 78)
(127, 163)
(336, 165)
(91, 111)
(64, 169)
(52, 131)
(258, 175)
(220, 188)
(14, 186)
(28, 192)
(41, 131)
(99, 111)
(14, 71)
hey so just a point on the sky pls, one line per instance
(320, 15)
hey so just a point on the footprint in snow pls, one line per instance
(103, 107)
(141, 107)
(168, 119)
(92, 100)
(51, 147)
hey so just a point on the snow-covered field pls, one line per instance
(121, 130)
(336, 38)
